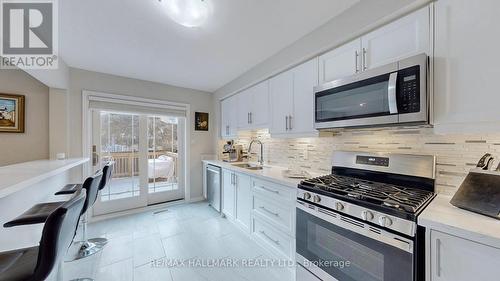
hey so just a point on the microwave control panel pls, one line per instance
(409, 90)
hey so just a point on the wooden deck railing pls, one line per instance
(126, 164)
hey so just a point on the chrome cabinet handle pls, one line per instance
(270, 190)
(269, 212)
(286, 123)
(364, 59)
(248, 117)
(391, 93)
(251, 118)
(290, 122)
(356, 55)
(277, 242)
(438, 257)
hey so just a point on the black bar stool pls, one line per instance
(107, 172)
(37, 263)
(40, 212)
(71, 188)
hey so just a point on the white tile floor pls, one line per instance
(142, 247)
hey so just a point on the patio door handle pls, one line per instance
(95, 156)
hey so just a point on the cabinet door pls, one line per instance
(340, 62)
(228, 193)
(281, 100)
(305, 78)
(243, 200)
(400, 39)
(228, 117)
(259, 117)
(466, 66)
(456, 259)
(243, 108)
(225, 117)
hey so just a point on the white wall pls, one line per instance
(34, 143)
(201, 142)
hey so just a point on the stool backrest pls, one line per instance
(91, 185)
(107, 171)
(57, 235)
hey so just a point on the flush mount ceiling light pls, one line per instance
(189, 13)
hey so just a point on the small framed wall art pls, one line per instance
(11, 113)
(200, 121)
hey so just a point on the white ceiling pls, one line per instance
(135, 38)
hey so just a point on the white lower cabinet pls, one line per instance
(273, 223)
(262, 208)
(243, 201)
(270, 236)
(452, 258)
(228, 193)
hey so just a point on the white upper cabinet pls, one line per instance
(340, 62)
(466, 64)
(244, 100)
(400, 39)
(281, 97)
(305, 78)
(228, 117)
(253, 107)
(259, 116)
(292, 100)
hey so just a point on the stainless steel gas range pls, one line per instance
(360, 222)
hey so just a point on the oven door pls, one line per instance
(365, 99)
(334, 247)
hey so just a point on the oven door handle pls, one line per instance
(391, 93)
(358, 227)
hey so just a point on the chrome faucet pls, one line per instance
(261, 160)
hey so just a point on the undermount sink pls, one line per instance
(248, 166)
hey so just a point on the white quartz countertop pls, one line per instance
(270, 173)
(442, 216)
(19, 176)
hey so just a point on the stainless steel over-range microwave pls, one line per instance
(388, 95)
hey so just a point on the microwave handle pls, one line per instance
(391, 93)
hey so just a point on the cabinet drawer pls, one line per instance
(271, 236)
(281, 216)
(272, 191)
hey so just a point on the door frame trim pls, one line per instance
(134, 100)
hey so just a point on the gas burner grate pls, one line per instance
(388, 195)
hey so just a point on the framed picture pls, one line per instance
(11, 113)
(200, 121)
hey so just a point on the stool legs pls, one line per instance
(87, 248)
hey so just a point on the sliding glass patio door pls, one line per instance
(146, 151)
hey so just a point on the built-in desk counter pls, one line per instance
(26, 184)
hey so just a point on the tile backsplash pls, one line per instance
(456, 154)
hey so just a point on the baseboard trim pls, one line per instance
(138, 210)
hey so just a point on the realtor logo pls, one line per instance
(28, 34)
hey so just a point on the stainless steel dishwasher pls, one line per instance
(214, 186)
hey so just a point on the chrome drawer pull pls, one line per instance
(277, 242)
(269, 212)
(270, 190)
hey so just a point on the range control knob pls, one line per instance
(316, 199)
(339, 206)
(384, 221)
(367, 215)
(306, 195)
